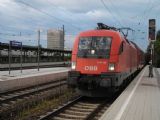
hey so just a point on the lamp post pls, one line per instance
(38, 59)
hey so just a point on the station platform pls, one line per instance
(30, 77)
(139, 101)
(28, 65)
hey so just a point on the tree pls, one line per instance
(157, 49)
(157, 43)
(158, 35)
(157, 46)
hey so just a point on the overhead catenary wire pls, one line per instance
(54, 6)
(116, 20)
(145, 14)
(51, 16)
(133, 36)
(144, 11)
(17, 34)
(9, 30)
(116, 11)
(151, 6)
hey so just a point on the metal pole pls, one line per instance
(151, 54)
(63, 45)
(21, 54)
(63, 37)
(38, 48)
(21, 57)
(9, 55)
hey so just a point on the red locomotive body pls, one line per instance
(101, 61)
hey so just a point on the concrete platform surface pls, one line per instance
(4, 75)
(30, 77)
(139, 101)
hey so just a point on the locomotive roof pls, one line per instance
(101, 31)
(136, 46)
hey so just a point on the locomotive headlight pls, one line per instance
(111, 66)
(73, 65)
(92, 52)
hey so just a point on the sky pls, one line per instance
(21, 19)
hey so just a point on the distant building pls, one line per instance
(55, 39)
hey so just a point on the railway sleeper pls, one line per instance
(85, 107)
(73, 112)
(100, 113)
(81, 109)
(88, 104)
(1, 98)
(72, 116)
(59, 118)
(5, 105)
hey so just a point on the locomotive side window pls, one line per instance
(121, 48)
(94, 47)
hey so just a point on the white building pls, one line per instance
(55, 39)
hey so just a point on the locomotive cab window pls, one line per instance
(94, 47)
(84, 43)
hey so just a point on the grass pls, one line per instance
(45, 106)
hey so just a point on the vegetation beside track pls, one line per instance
(46, 106)
(15, 109)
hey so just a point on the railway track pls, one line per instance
(80, 109)
(83, 108)
(10, 97)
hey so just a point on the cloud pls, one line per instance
(77, 6)
(69, 41)
(76, 15)
(98, 14)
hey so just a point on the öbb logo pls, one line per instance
(90, 68)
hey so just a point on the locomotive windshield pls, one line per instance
(94, 47)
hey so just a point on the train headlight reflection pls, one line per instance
(111, 66)
(73, 65)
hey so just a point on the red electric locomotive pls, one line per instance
(101, 61)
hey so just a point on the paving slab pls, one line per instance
(139, 101)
